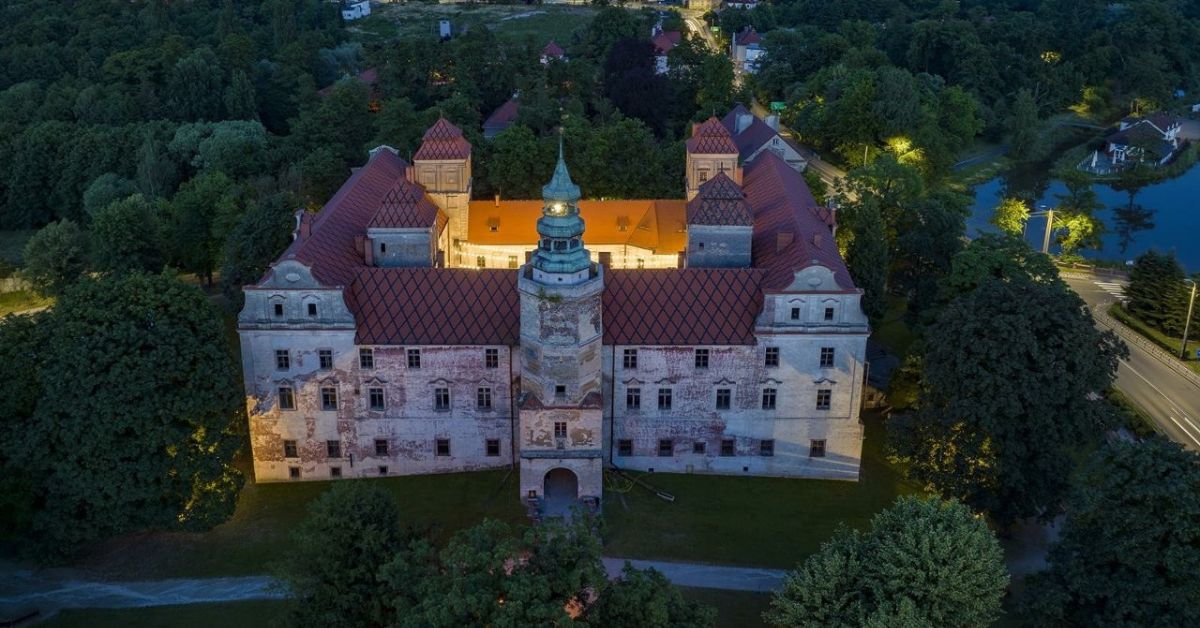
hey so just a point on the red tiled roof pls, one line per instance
(720, 201)
(711, 138)
(368, 77)
(552, 49)
(752, 137)
(748, 36)
(405, 206)
(681, 306)
(443, 140)
(664, 41)
(503, 116)
(435, 306)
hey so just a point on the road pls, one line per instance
(1170, 400)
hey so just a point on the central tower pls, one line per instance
(560, 405)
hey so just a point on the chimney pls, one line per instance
(368, 251)
(303, 225)
(773, 121)
(783, 239)
(743, 122)
(497, 199)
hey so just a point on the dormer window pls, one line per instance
(278, 310)
(828, 313)
(312, 309)
(796, 314)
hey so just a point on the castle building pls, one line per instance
(408, 329)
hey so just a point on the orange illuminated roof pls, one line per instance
(656, 225)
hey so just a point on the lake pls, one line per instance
(1168, 220)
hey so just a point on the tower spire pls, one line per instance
(560, 251)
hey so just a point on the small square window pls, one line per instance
(283, 359)
(366, 358)
(727, 447)
(289, 449)
(329, 398)
(766, 448)
(560, 390)
(481, 261)
(312, 309)
(325, 359)
(824, 396)
(333, 448)
(664, 398)
(491, 358)
(633, 398)
(701, 358)
(826, 357)
(279, 314)
(383, 470)
(772, 358)
(287, 400)
(625, 447)
(493, 447)
(560, 429)
(828, 313)
(768, 399)
(335, 472)
(724, 397)
(443, 447)
(381, 447)
(441, 399)
(795, 313)
(630, 359)
(512, 261)
(666, 448)
(483, 398)
(294, 473)
(816, 448)
(414, 358)
(641, 263)
(375, 399)
(698, 447)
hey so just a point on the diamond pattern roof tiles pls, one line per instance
(711, 138)
(435, 306)
(405, 206)
(720, 201)
(681, 306)
(443, 140)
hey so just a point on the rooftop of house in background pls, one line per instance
(502, 118)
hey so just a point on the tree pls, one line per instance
(1078, 226)
(21, 340)
(157, 175)
(1010, 216)
(1022, 126)
(1130, 546)
(322, 172)
(127, 235)
(995, 257)
(1008, 364)
(141, 433)
(105, 189)
(195, 212)
(55, 257)
(261, 234)
(867, 258)
(924, 562)
(333, 571)
(194, 90)
(1157, 293)
(930, 235)
(518, 164)
(648, 600)
(240, 103)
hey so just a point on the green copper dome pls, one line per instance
(560, 229)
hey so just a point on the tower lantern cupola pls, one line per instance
(561, 257)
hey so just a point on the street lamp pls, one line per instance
(1048, 212)
(1187, 322)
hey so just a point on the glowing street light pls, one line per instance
(1187, 322)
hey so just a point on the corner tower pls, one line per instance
(443, 165)
(560, 405)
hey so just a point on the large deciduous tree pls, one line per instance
(1157, 292)
(1129, 554)
(648, 600)
(127, 235)
(55, 257)
(262, 233)
(867, 259)
(924, 562)
(1010, 216)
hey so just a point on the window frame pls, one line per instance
(770, 398)
(724, 399)
(766, 447)
(441, 399)
(290, 406)
(491, 358)
(625, 447)
(728, 447)
(491, 445)
(366, 358)
(291, 449)
(828, 354)
(666, 398)
(700, 448)
(372, 392)
(413, 358)
(771, 357)
(333, 449)
(629, 359)
(666, 448)
(483, 398)
(817, 448)
(283, 359)
(329, 398)
(824, 398)
(701, 357)
(325, 359)
(438, 447)
(633, 398)
(829, 313)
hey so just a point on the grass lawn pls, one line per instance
(1170, 344)
(510, 22)
(21, 300)
(735, 609)
(259, 532)
(768, 522)
(894, 333)
(227, 615)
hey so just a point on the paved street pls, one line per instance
(1172, 401)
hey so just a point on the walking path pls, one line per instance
(706, 576)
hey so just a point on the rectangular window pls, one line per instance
(699, 447)
(287, 401)
(283, 360)
(481, 261)
(375, 398)
(823, 398)
(768, 399)
(795, 313)
(826, 357)
(701, 358)
(333, 448)
(483, 398)
(828, 313)
(512, 261)
(630, 360)
(816, 448)
(491, 358)
(560, 429)
(381, 447)
(641, 263)
(766, 448)
(625, 447)
(325, 359)
(441, 398)
(443, 447)
(724, 396)
(493, 447)
(312, 309)
(666, 448)
(727, 447)
(328, 398)
(772, 358)
(289, 449)
(560, 390)
(366, 359)
(414, 358)
(664, 398)
(279, 314)
(335, 472)
(294, 473)
(633, 398)
(383, 470)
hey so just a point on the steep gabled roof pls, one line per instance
(443, 140)
(686, 306)
(405, 206)
(503, 116)
(710, 138)
(721, 202)
(748, 36)
(435, 306)
(553, 50)
(752, 137)
(665, 41)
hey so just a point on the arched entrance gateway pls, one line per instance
(561, 491)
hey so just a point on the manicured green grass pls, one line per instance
(1170, 344)
(735, 609)
(251, 614)
(510, 22)
(21, 300)
(260, 531)
(769, 522)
